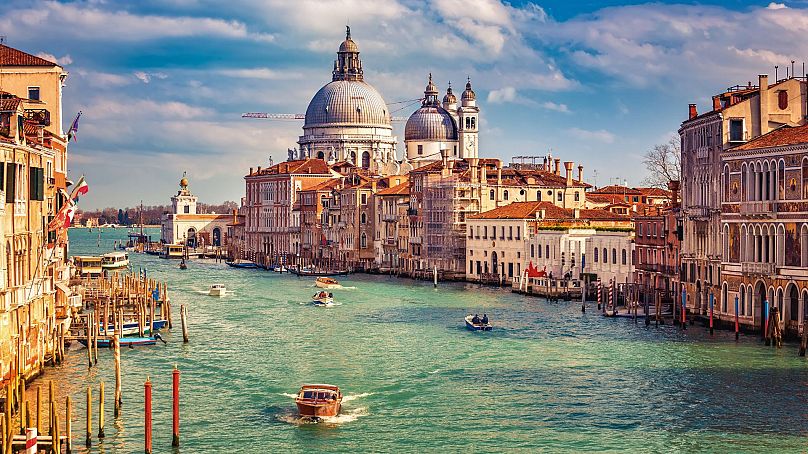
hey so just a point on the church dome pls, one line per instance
(430, 123)
(347, 103)
(348, 46)
(468, 94)
(449, 98)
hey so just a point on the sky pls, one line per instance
(162, 83)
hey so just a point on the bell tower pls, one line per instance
(469, 119)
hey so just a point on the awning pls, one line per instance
(64, 289)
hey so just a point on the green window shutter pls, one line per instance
(2, 176)
(11, 183)
(32, 186)
(41, 183)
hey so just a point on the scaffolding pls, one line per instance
(447, 202)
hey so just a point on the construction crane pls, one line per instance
(289, 116)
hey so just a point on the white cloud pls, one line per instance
(601, 135)
(104, 79)
(146, 77)
(61, 61)
(549, 105)
(91, 22)
(505, 94)
(774, 5)
(260, 73)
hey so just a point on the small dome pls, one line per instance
(469, 94)
(430, 123)
(184, 183)
(450, 98)
(347, 102)
(348, 46)
(431, 89)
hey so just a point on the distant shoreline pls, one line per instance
(145, 226)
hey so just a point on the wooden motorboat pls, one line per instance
(323, 299)
(217, 290)
(327, 283)
(477, 326)
(318, 401)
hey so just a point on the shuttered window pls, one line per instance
(36, 183)
(11, 181)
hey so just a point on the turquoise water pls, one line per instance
(548, 378)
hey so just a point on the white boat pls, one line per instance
(327, 283)
(280, 269)
(322, 299)
(115, 260)
(217, 290)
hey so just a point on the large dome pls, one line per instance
(430, 123)
(347, 103)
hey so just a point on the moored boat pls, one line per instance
(125, 341)
(130, 328)
(318, 401)
(311, 271)
(479, 326)
(242, 264)
(327, 283)
(115, 260)
(217, 290)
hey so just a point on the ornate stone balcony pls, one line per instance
(758, 268)
(765, 208)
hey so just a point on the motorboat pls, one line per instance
(88, 266)
(318, 401)
(217, 290)
(327, 283)
(311, 271)
(279, 269)
(183, 265)
(323, 299)
(241, 264)
(477, 326)
(126, 341)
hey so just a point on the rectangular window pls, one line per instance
(420, 149)
(560, 196)
(736, 130)
(33, 93)
(186, 209)
(518, 232)
(36, 187)
(11, 181)
(639, 226)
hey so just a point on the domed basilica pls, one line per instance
(348, 120)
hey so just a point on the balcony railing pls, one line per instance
(389, 218)
(759, 208)
(699, 213)
(40, 116)
(758, 268)
(415, 240)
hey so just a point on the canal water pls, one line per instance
(548, 378)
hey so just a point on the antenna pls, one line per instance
(2, 39)
(775, 72)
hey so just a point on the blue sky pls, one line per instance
(162, 84)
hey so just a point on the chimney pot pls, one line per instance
(251, 170)
(557, 170)
(692, 111)
(568, 169)
(580, 173)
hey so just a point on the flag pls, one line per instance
(63, 218)
(74, 128)
(81, 188)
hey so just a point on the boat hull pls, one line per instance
(125, 342)
(323, 302)
(479, 327)
(308, 409)
(327, 286)
(217, 292)
(242, 265)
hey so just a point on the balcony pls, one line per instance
(699, 213)
(415, 240)
(39, 116)
(757, 269)
(765, 208)
(412, 212)
(389, 217)
(390, 241)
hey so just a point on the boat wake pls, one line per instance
(207, 293)
(342, 418)
(291, 396)
(351, 397)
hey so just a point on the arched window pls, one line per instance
(726, 183)
(363, 240)
(624, 257)
(805, 178)
(596, 255)
(532, 250)
(605, 256)
(614, 256)
(539, 248)
(363, 218)
(364, 198)
(781, 180)
(491, 195)
(724, 297)
(505, 195)
(547, 251)
(538, 196)
(743, 182)
(742, 301)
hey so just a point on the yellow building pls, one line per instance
(34, 292)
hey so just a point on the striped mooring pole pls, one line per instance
(30, 440)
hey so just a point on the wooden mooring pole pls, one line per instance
(116, 345)
(148, 416)
(184, 321)
(101, 410)
(175, 439)
(68, 425)
(88, 441)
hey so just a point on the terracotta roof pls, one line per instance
(655, 192)
(598, 198)
(523, 210)
(403, 188)
(9, 104)
(324, 186)
(785, 135)
(616, 189)
(305, 166)
(13, 57)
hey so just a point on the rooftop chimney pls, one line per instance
(673, 186)
(473, 166)
(259, 169)
(499, 172)
(581, 173)
(692, 112)
(568, 169)
(557, 169)
(483, 173)
(763, 83)
(716, 103)
(251, 170)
